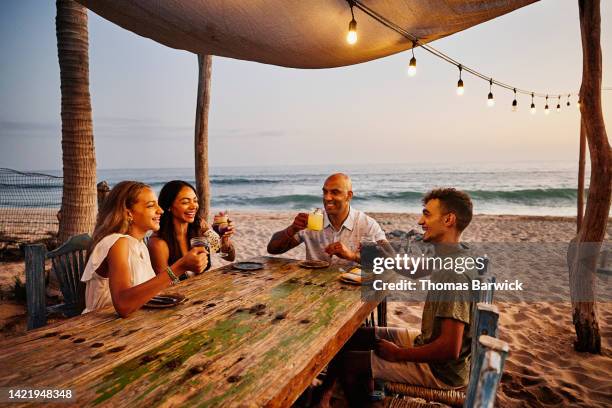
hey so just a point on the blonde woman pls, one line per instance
(118, 269)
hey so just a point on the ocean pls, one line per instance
(547, 188)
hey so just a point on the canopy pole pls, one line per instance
(581, 156)
(584, 250)
(201, 135)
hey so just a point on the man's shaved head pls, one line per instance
(341, 178)
(337, 194)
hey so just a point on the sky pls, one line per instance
(144, 97)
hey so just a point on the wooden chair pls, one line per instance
(68, 263)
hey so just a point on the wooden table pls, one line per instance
(240, 339)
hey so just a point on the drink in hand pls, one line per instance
(221, 224)
(315, 220)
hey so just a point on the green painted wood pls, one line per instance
(219, 348)
(68, 263)
(76, 243)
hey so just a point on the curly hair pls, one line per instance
(453, 201)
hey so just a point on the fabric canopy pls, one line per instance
(295, 33)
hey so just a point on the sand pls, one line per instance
(542, 369)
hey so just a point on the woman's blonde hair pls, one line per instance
(112, 216)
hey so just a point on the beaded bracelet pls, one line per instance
(173, 278)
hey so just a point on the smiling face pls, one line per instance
(337, 195)
(185, 206)
(145, 213)
(436, 223)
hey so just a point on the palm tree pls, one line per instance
(78, 155)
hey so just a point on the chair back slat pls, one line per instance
(70, 276)
(484, 323)
(487, 371)
(80, 302)
(58, 267)
(75, 273)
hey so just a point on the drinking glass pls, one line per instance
(221, 224)
(315, 220)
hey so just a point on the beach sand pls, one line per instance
(542, 368)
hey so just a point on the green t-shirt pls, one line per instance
(449, 304)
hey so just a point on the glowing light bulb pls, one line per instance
(460, 88)
(558, 108)
(514, 105)
(412, 67)
(546, 110)
(533, 109)
(351, 37)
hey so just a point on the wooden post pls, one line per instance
(35, 285)
(580, 198)
(201, 135)
(487, 371)
(484, 323)
(103, 190)
(582, 254)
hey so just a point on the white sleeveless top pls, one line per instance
(97, 293)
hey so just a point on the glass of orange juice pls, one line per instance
(315, 220)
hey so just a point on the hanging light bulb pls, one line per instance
(460, 88)
(568, 102)
(533, 108)
(546, 110)
(559, 104)
(351, 36)
(578, 103)
(514, 102)
(490, 100)
(412, 66)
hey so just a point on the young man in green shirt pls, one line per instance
(438, 356)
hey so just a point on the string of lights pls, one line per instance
(412, 66)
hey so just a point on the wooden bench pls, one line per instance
(68, 263)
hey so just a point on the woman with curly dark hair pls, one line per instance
(179, 224)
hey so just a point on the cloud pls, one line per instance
(108, 127)
(249, 133)
(12, 126)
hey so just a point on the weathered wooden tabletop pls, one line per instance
(240, 339)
